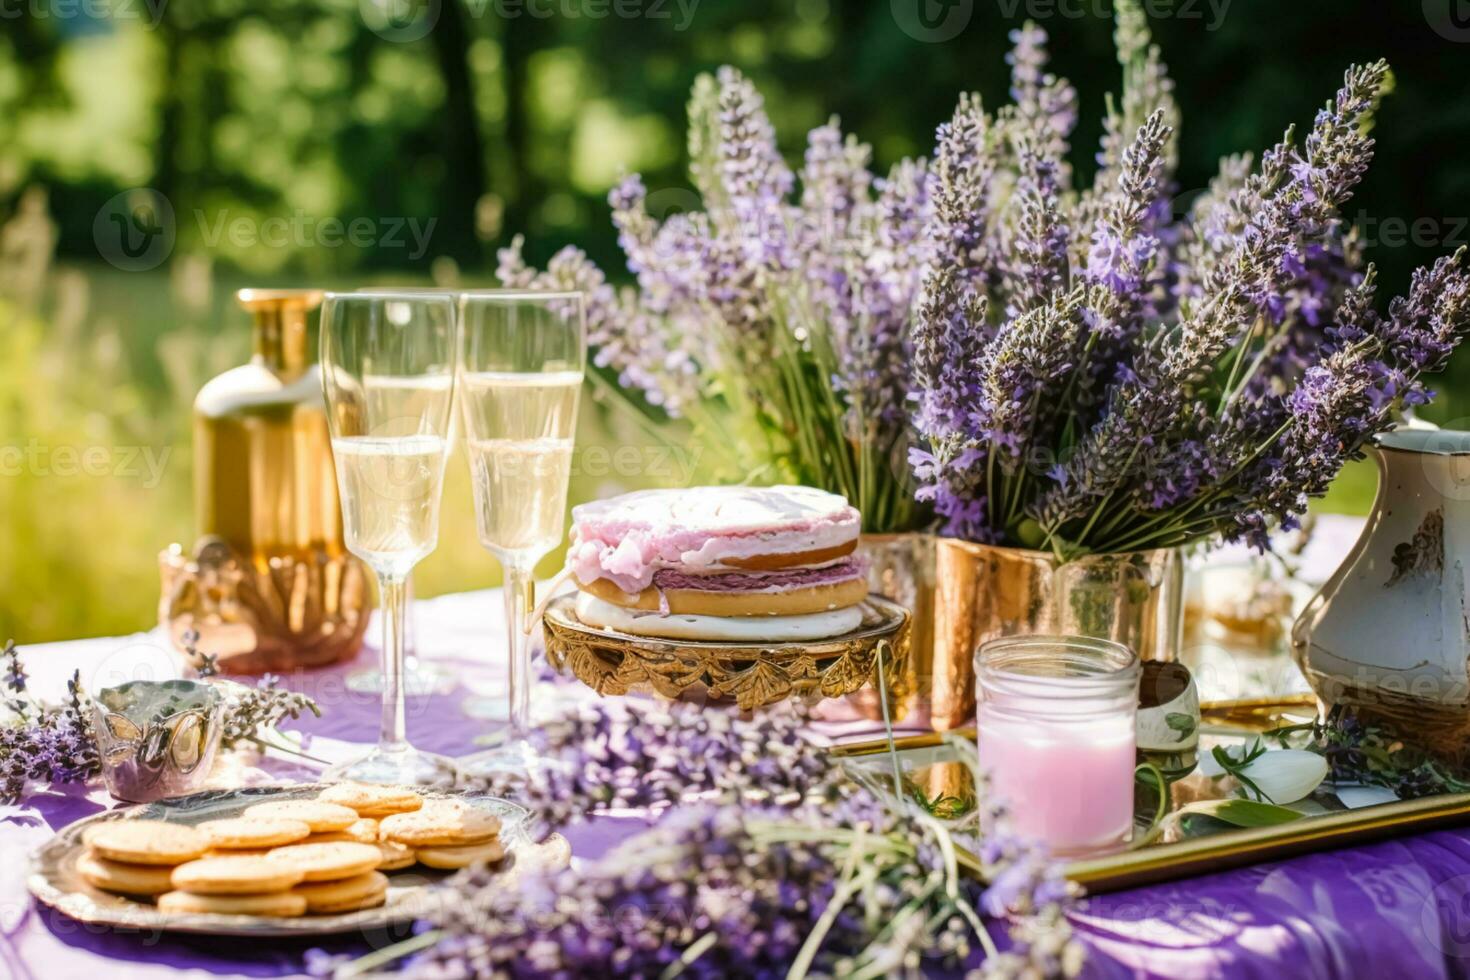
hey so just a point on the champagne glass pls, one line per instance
(521, 356)
(420, 677)
(388, 372)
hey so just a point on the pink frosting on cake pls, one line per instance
(627, 539)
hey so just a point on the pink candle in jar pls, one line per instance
(1056, 729)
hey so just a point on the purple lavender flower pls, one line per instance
(1144, 408)
(781, 326)
(1046, 106)
(747, 875)
(15, 672)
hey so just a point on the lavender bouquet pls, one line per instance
(1095, 374)
(776, 321)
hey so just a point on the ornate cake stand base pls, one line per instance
(752, 675)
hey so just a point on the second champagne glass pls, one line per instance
(521, 356)
(388, 373)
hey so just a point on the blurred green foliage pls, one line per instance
(497, 121)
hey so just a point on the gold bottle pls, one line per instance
(269, 584)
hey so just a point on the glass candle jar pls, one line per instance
(1056, 722)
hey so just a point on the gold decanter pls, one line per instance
(269, 584)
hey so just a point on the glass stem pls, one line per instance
(391, 737)
(519, 601)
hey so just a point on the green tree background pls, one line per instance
(516, 116)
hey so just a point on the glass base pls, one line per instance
(420, 679)
(405, 766)
(515, 760)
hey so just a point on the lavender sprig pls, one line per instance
(40, 743)
(775, 863)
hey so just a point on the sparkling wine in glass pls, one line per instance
(520, 375)
(420, 677)
(388, 373)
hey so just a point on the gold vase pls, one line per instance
(901, 568)
(984, 592)
(269, 585)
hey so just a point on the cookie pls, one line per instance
(329, 861)
(235, 875)
(253, 833)
(124, 879)
(453, 858)
(440, 823)
(372, 801)
(320, 817)
(395, 855)
(274, 903)
(145, 841)
(364, 831)
(220, 852)
(362, 891)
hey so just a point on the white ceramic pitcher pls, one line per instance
(1389, 633)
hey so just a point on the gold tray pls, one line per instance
(54, 880)
(754, 674)
(930, 763)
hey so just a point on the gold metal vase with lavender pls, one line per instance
(1099, 381)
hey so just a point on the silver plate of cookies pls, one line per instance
(309, 859)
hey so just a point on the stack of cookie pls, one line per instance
(290, 857)
(446, 834)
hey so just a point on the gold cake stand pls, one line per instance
(753, 674)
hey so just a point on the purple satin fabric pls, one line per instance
(1394, 909)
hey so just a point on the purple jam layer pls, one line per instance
(780, 580)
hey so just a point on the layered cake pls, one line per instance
(719, 563)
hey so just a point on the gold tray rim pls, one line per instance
(49, 864)
(1227, 849)
(561, 614)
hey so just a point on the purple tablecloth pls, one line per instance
(1400, 908)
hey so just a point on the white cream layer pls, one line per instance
(593, 611)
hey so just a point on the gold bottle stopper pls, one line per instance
(269, 584)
